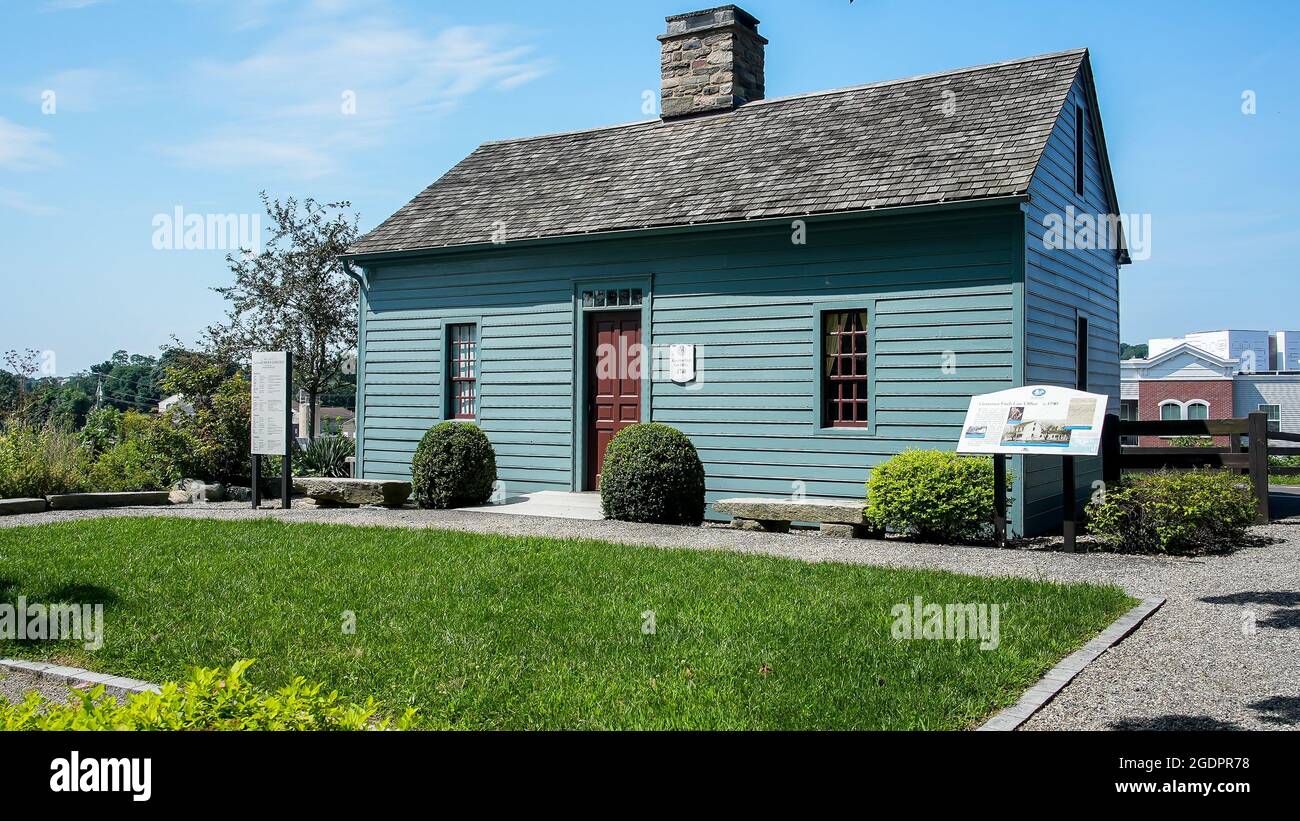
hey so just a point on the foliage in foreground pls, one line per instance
(454, 466)
(40, 460)
(1175, 511)
(211, 699)
(652, 473)
(933, 496)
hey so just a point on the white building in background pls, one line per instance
(1216, 375)
(1255, 351)
(1287, 350)
(175, 401)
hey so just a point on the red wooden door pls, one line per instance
(613, 382)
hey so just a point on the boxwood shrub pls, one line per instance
(454, 466)
(933, 496)
(1174, 511)
(652, 473)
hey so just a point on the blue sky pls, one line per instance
(200, 104)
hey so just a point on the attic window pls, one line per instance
(1078, 150)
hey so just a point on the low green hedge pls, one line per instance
(1175, 511)
(933, 496)
(212, 699)
(454, 466)
(652, 473)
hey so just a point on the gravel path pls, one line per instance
(1224, 651)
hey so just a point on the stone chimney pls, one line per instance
(710, 61)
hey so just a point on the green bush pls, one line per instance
(933, 496)
(212, 699)
(1192, 442)
(652, 474)
(39, 461)
(150, 453)
(128, 466)
(102, 430)
(454, 466)
(327, 456)
(1184, 512)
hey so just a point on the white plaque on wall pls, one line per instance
(271, 385)
(681, 363)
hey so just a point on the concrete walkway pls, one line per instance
(1224, 651)
(551, 504)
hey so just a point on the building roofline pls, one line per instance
(656, 121)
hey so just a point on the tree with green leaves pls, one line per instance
(295, 295)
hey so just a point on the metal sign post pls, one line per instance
(272, 419)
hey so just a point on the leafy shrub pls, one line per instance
(933, 496)
(1192, 442)
(652, 474)
(39, 461)
(221, 427)
(150, 453)
(326, 456)
(454, 466)
(212, 699)
(102, 430)
(1172, 511)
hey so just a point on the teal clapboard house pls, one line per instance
(808, 285)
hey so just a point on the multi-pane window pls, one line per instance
(1171, 412)
(612, 298)
(845, 375)
(462, 371)
(1274, 416)
(1198, 410)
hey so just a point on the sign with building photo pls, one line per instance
(271, 385)
(1036, 419)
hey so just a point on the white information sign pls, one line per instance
(270, 402)
(681, 363)
(1036, 419)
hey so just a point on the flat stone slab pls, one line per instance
(834, 511)
(11, 507)
(353, 492)
(93, 501)
(760, 525)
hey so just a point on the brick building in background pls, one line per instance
(1193, 377)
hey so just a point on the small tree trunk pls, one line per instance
(313, 399)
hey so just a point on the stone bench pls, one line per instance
(98, 501)
(13, 507)
(837, 517)
(353, 492)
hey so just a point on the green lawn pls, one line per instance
(507, 633)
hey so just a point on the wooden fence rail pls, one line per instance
(1247, 451)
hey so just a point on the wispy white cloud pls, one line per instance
(230, 150)
(23, 148)
(286, 100)
(83, 89)
(18, 201)
(69, 5)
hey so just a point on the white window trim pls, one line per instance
(1182, 408)
(1271, 421)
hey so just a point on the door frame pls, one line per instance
(591, 318)
(578, 433)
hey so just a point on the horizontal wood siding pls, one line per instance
(745, 298)
(1061, 284)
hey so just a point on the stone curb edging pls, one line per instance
(1036, 697)
(75, 675)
